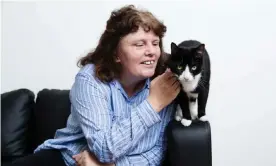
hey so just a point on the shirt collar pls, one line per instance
(118, 85)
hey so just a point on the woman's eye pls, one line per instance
(179, 67)
(194, 68)
(139, 45)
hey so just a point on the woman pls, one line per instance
(118, 115)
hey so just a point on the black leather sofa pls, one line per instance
(28, 119)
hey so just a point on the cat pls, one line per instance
(190, 62)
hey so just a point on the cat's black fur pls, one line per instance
(191, 53)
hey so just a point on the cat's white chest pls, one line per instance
(190, 85)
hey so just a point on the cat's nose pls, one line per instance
(186, 79)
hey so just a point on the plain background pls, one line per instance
(42, 41)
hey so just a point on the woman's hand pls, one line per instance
(88, 159)
(163, 90)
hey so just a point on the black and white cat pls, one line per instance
(190, 62)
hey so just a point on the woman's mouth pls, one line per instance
(148, 62)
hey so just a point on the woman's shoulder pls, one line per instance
(87, 73)
(87, 85)
(88, 69)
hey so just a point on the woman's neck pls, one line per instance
(131, 86)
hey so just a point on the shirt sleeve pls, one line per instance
(107, 139)
(155, 155)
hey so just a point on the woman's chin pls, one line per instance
(148, 74)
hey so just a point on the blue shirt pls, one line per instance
(116, 128)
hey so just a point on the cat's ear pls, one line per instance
(200, 49)
(174, 48)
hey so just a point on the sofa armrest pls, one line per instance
(189, 146)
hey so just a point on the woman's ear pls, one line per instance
(117, 59)
(116, 55)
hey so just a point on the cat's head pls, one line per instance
(186, 62)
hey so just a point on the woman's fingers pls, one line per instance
(176, 84)
(178, 88)
(78, 158)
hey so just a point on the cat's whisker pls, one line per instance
(202, 85)
(203, 81)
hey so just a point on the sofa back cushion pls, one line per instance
(51, 111)
(16, 108)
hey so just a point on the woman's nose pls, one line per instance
(150, 51)
(149, 54)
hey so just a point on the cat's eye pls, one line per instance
(194, 68)
(179, 67)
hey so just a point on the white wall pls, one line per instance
(42, 42)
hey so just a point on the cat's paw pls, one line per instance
(186, 122)
(178, 118)
(203, 118)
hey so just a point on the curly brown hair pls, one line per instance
(122, 21)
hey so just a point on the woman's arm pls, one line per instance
(154, 156)
(107, 139)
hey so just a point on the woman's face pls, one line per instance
(138, 54)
